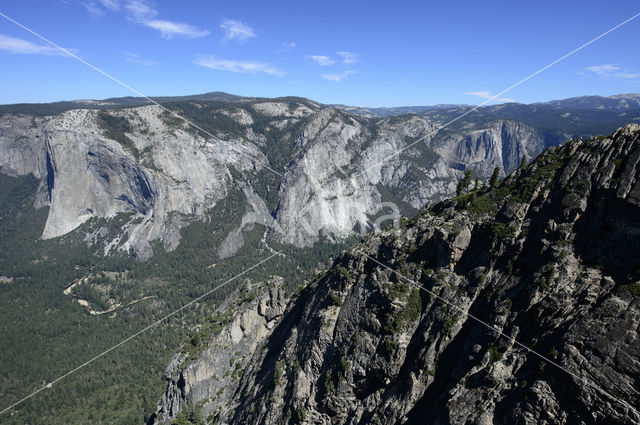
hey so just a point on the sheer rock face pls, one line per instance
(516, 305)
(210, 378)
(84, 171)
(339, 169)
(502, 145)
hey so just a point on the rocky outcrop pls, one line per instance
(208, 378)
(22, 146)
(517, 304)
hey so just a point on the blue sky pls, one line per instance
(371, 53)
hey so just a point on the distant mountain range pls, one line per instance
(620, 102)
(145, 162)
(615, 103)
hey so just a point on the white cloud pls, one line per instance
(143, 13)
(480, 94)
(113, 5)
(322, 60)
(94, 10)
(99, 8)
(140, 10)
(611, 71)
(135, 59)
(24, 47)
(487, 95)
(338, 77)
(348, 57)
(604, 70)
(625, 74)
(238, 66)
(236, 30)
(169, 29)
(288, 46)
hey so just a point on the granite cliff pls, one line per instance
(517, 303)
(337, 167)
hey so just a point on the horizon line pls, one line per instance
(440, 104)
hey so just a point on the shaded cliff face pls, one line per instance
(502, 145)
(206, 370)
(337, 168)
(519, 304)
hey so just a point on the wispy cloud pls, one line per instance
(169, 29)
(348, 57)
(322, 60)
(136, 59)
(238, 66)
(480, 94)
(612, 71)
(143, 13)
(113, 5)
(24, 47)
(99, 8)
(288, 46)
(338, 77)
(625, 74)
(236, 31)
(603, 70)
(487, 95)
(94, 10)
(140, 10)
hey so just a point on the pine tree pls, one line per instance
(523, 161)
(464, 184)
(493, 181)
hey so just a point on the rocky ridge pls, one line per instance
(514, 304)
(208, 367)
(337, 167)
